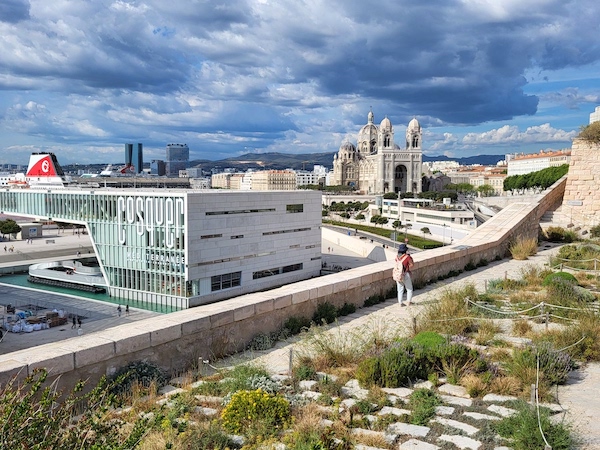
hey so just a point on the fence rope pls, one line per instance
(572, 345)
(561, 317)
(505, 312)
(537, 401)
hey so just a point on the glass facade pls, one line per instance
(139, 238)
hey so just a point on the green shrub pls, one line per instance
(523, 430)
(368, 372)
(305, 372)
(397, 366)
(429, 339)
(595, 232)
(554, 365)
(261, 341)
(373, 300)
(248, 410)
(422, 403)
(208, 435)
(296, 324)
(325, 313)
(34, 414)
(141, 373)
(470, 266)
(590, 132)
(559, 234)
(551, 278)
(346, 309)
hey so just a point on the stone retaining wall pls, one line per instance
(581, 201)
(175, 341)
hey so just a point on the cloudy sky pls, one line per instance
(83, 77)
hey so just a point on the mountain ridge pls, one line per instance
(305, 161)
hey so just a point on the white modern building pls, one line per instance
(183, 248)
(595, 116)
(526, 163)
(411, 210)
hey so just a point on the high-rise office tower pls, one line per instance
(135, 165)
(178, 157)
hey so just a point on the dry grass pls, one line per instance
(475, 385)
(523, 248)
(450, 305)
(372, 440)
(326, 349)
(522, 327)
(506, 385)
(533, 275)
(486, 331)
(528, 297)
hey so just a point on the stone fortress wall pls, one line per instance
(581, 203)
(175, 341)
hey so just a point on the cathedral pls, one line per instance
(377, 164)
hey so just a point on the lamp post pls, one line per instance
(444, 235)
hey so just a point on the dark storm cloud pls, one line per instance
(13, 11)
(294, 72)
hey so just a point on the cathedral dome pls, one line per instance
(414, 125)
(367, 132)
(348, 147)
(385, 125)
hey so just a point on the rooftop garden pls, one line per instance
(462, 369)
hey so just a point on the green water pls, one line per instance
(21, 280)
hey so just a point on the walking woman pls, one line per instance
(402, 274)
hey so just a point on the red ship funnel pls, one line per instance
(42, 165)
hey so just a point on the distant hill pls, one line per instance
(486, 160)
(263, 161)
(306, 161)
(280, 161)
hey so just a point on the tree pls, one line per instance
(486, 190)
(425, 231)
(397, 223)
(360, 216)
(379, 220)
(9, 226)
(406, 228)
(390, 196)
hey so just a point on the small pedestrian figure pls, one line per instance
(78, 254)
(127, 310)
(5, 248)
(79, 321)
(119, 310)
(74, 322)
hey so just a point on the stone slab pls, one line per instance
(501, 410)
(498, 398)
(464, 427)
(459, 401)
(395, 411)
(307, 385)
(479, 416)
(461, 442)
(415, 444)
(454, 390)
(398, 392)
(444, 410)
(407, 428)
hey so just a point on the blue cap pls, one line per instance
(402, 248)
